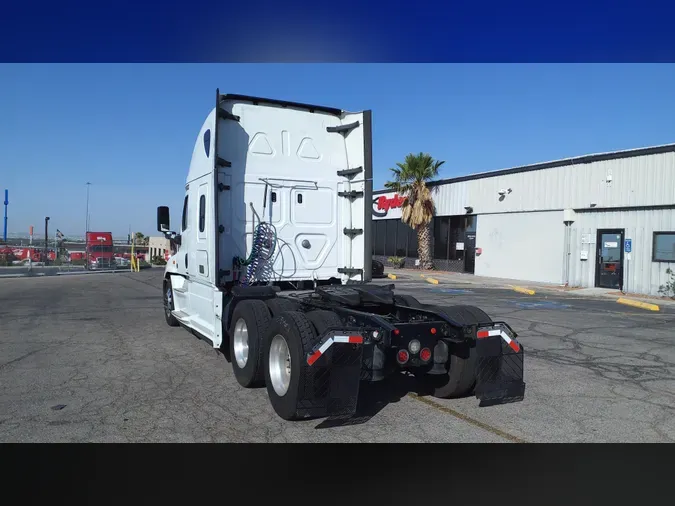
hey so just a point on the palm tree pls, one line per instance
(410, 181)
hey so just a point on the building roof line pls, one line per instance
(577, 160)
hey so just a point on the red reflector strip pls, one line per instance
(511, 343)
(313, 357)
(348, 339)
(482, 334)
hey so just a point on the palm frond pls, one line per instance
(409, 179)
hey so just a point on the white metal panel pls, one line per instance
(643, 275)
(524, 246)
(451, 199)
(638, 181)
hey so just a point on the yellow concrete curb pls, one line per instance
(423, 275)
(432, 281)
(391, 276)
(520, 289)
(637, 303)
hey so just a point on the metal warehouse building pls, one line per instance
(604, 220)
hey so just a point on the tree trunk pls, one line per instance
(424, 247)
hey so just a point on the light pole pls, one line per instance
(4, 233)
(86, 230)
(86, 219)
(46, 238)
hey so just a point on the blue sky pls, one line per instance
(130, 129)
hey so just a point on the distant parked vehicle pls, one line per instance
(122, 262)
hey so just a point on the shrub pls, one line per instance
(668, 290)
(158, 260)
(396, 261)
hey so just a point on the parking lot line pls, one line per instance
(467, 419)
(520, 289)
(637, 303)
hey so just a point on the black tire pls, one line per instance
(461, 378)
(167, 294)
(407, 300)
(323, 319)
(278, 305)
(247, 365)
(298, 333)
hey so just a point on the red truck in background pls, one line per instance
(24, 254)
(100, 250)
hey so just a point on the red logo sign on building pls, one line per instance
(382, 205)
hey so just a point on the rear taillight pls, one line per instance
(402, 356)
(425, 355)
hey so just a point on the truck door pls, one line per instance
(200, 276)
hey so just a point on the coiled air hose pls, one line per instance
(264, 244)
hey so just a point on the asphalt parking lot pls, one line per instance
(89, 358)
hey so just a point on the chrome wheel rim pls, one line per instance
(241, 343)
(280, 365)
(168, 301)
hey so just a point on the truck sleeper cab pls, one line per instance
(277, 192)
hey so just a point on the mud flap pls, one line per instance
(499, 367)
(332, 378)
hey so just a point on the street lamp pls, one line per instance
(86, 229)
(46, 237)
(86, 217)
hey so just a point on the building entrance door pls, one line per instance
(609, 261)
(469, 252)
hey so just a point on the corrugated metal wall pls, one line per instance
(514, 246)
(644, 276)
(638, 181)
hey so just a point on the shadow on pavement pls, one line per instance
(374, 397)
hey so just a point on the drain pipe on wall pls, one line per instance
(568, 219)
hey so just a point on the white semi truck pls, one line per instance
(277, 194)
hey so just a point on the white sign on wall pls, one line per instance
(460, 246)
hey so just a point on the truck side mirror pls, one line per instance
(163, 220)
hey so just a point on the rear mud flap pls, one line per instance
(331, 383)
(499, 370)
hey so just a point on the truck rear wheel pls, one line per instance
(461, 365)
(323, 320)
(278, 305)
(289, 339)
(171, 320)
(250, 321)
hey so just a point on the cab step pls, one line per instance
(181, 316)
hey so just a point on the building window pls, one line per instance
(663, 248)
(394, 238)
(202, 212)
(185, 220)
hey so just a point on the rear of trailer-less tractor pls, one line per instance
(278, 193)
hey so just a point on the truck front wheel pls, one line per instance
(250, 322)
(171, 320)
(461, 377)
(289, 339)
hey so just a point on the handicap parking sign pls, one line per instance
(628, 245)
